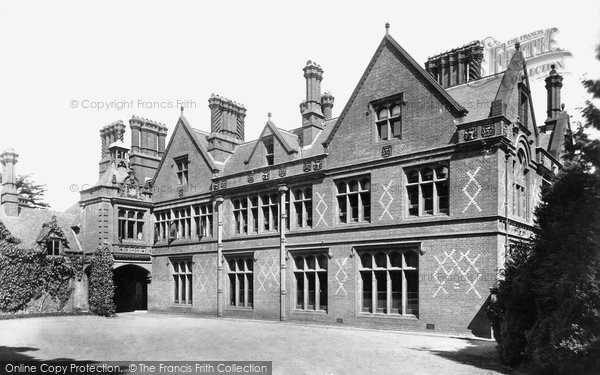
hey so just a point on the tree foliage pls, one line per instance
(512, 313)
(31, 193)
(586, 150)
(547, 310)
(101, 285)
(565, 276)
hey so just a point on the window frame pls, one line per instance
(247, 275)
(53, 246)
(137, 224)
(162, 224)
(388, 268)
(305, 273)
(269, 145)
(392, 123)
(256, 216)
(203, 215)
(362, 201)
(520, 201)
(182, 165)
(299, 200)
(185, 288)
(437, 209)
(182, 218)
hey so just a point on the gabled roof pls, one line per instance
(395, 47)
(512, 76)
(119, 173)
(287, 140)
(198, 140)
(28, 226)
(515, 73)
(477, 95)
(556, 143)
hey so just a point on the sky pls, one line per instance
(67, 68)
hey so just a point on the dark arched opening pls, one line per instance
(131, 288)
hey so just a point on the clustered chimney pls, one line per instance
(226, 117)
(327, 105)
(109, 134)
(456, 66)
(147, 136)
(554, 83)
(316, 107)
(147, 146)
(226, 126)
(9, 197)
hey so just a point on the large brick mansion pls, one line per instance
(396, 214)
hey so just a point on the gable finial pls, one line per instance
(181, 108)
(269, 115)
(387, 28)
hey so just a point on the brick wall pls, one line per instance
(199, 174)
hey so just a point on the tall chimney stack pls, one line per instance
(311, 109)
(9, 197)
(327, 105)
(109, 134)
(147, 146)
(456, 66)
(226, 126)
(554, 83)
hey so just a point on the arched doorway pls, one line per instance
(131, 288)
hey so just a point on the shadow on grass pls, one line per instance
(477, 353)
(18, 355)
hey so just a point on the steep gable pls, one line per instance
(509, 101)
(428, 113)
(390, 43)
(188, 143)
(285, 144)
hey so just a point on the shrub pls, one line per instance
(102, 289)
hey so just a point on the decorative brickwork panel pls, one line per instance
(472, 189)
(386, 151)
(317, 164)
(488, 130)
(342, 274)
(470, 134)
(268, 274)
(321, 209)
(457, 270)
(385, 200)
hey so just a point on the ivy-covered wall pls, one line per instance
(32, 282)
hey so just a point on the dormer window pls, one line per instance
(388, 121)
(53, 247)
(269, 152)
(182, 164)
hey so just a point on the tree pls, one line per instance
(547, 310)
(30, 192)
(102, 288)
(512, 312)
(565, 276)
(586, 151)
